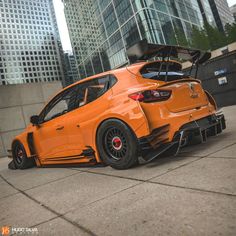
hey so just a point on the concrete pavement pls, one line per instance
(191, 194)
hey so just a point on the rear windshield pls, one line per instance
(164, 71)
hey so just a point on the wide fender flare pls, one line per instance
(23, 140)
(211, 99)
(140, 127)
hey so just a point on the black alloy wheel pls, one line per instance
(114, 143)
(19, 154)
(117, 144)
(20, 158)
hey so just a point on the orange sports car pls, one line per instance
(141, 110)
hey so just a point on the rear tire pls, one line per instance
(20, 158)
(117, 145)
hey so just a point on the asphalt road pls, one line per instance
(191, 194)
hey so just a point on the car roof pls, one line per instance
(133, 68)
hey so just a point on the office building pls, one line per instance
(102, 30)
(221, 12)
(233, 11)
(206, 12)
(71, 73)
(29, 40)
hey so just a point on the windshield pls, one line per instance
(164, 71)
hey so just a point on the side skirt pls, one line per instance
(87, 156)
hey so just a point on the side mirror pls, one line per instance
(34, 120)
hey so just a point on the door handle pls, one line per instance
(59, 127)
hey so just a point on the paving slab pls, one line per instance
(211, 174)
(6, 189)
(4, 163)
(20, 211)
(216, 143)
(144, 172)
(226, 152)
(60, 227)
(229, 113)
(212, 145)
(2, 148)
(151, 209)
(229, 132)
(78, 190)
(30, 178)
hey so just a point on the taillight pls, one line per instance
(151, 95)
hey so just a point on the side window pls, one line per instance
(93, 89)
(112, 81)
(61, 104)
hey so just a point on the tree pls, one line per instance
(171, 39)
(230, 30)
(181, 38)
(199, 39)
(215, 37)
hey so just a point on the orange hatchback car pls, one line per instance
(141, 110)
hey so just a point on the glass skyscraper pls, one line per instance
(206, 11)
(71, 74)
(102, 30)
(30, 48)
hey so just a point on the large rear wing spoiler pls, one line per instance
(145, 51)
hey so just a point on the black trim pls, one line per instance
(157, 134)
(145, 51)
(202, 128)
(209, 124)
(86, 153)
(30, 141)
(75, 157)
(73, 90)
(67, 165)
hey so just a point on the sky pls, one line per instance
(231, 2)
(61, 22)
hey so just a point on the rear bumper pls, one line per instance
(155, 144)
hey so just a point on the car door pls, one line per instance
(51, 135)
(92, 100)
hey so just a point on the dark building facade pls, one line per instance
(102, 30)
(30, 48)
(206, 12)
(71, 73)
(218, 75)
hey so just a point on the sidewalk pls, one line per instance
(191, 194)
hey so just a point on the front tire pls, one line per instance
(20, 158)
(117, 144)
